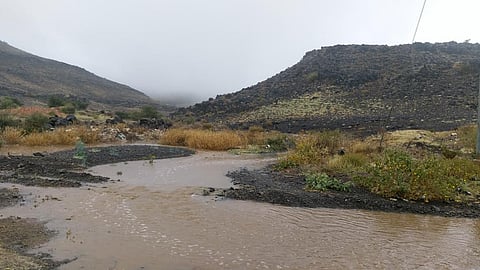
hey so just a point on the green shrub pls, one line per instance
(9, 103)
(348, 162)
(398, 174)
(323, 182)
(55, 101)
(285, 163)
(80, 105)
(6, 120)
(278, 143)
(149, 112)
(68, 108)
(35, 123)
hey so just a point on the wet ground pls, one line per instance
(59, 169)
(125, 197)
(268, 185)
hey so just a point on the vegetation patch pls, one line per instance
(203, 139)
(9, 103)
(252, 141)
(311, 149)
(323, 182)
(396, 173)
(415, 165)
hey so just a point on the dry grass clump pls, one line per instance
(56, 137)
(86, 135)
(468, 136)
(313, 149)
(11, 135)
(204, 139)
(347, 162)
(59, 136)
(363, 147)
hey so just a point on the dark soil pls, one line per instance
(62, 169)
(268, 185)
(59, 169)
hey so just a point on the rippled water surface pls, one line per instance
(152, 219)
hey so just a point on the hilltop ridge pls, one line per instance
(431, 86)
(30, 77)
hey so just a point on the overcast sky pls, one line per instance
(201, 48)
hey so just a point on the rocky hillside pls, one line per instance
(359, 87)
(29, 77)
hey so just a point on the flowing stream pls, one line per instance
(151, 218)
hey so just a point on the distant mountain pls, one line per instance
(26, 76)
(359, 87)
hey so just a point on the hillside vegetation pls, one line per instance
(353, 87)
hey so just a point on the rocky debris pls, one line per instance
(115, 120)
(154, 123)
(9, 196)
(56, 121)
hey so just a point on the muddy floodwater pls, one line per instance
(155, 217)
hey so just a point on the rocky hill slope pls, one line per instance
(359, 87)
(26, 76)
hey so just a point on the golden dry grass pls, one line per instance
(468, 136)
(59, 136)
(204, 139)
(11, 135)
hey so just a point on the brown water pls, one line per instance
(151, 219)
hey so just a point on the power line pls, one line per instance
(390, 111)
(419, 19)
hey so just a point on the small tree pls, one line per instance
(56, 101)
(35, 122)
(149, 112)
(69, 108)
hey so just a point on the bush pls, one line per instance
(398, 174)
(35, 123)
(278, 143)
(149, 112)
(312, 149)
(348, 162)
(6, 120)
(80, 105)
(68, 108)
(323, 182)
(56, 101)
(9, 103)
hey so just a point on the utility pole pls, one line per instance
(478, 119)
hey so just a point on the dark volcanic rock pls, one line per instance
(432, 86)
